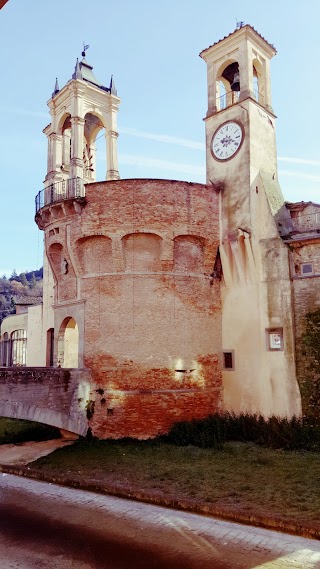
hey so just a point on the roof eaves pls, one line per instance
(234, 32)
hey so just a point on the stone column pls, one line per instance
(111, 142)
(54, 157)
(267, 86)
(212, 88)
(56, 152)
(77, 141)
(246, 72)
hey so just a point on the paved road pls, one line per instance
(47, 526)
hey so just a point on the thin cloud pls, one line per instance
(156, 163)
(165, 138)
(24, 112)
(299, 161)
(301, 175)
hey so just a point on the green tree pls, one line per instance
(23, 279)
(33, 281)
(310, 386)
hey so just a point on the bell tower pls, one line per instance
(257, 326)
(79, 111)
(240, 122)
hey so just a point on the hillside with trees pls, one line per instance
(27, 284)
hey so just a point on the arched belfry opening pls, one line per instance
(93, 126)
(68, 344)
(228, 85)
(238, 68)
(66, 144)
(259, 81)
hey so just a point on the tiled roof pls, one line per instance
(237, 30)
(299, 206)
(27, 300)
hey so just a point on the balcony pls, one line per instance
(232, 97)
(69, 189)
(305, 225)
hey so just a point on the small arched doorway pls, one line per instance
(68, 344)
(50, 347)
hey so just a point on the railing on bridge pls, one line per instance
(301, 224)
(64, 190)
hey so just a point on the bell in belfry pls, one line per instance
(235, 86)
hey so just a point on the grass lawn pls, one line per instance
(242, 478)
(18, 431)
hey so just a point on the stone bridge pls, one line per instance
(54, 396)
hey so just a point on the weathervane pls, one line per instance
(85, 47)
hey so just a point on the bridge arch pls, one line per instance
(19, 410)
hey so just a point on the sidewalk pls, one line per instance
(14, 460)
(204, 541)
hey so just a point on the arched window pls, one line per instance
(50, 343)
(4, 350)
(18, 348)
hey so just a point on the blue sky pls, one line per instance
(152, 49)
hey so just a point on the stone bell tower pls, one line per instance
(79, 111)
(257, 324)
(240, 123)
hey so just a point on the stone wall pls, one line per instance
(306, 300)
(58, 397)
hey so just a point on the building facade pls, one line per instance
(182, 299)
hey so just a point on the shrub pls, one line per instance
(275, 432)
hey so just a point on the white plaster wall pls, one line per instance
(257, 291)
(34, 337)
(48, 315)
(14, 322)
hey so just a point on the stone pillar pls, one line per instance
(267, 86)
(56, 152)
(112, 158)
(246, 72)
(77, 141)
(54, 157)
(111, 142)
(212, 88)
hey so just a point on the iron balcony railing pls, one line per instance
(232, 97)
(227, 100)
(301, 224)
(60, 191)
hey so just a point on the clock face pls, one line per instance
(227, 140)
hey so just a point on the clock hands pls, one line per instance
(226, 141)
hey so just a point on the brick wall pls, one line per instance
(139, 257)
(57, 397)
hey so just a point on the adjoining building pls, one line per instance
(183, 299)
